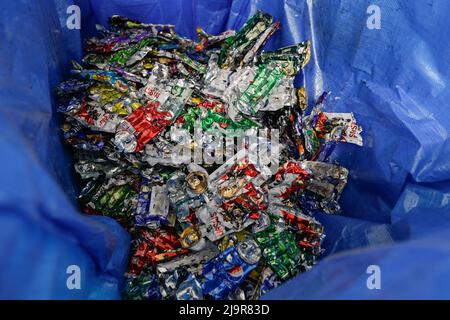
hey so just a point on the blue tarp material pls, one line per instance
(396, 205)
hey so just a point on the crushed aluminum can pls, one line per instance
(228, 270)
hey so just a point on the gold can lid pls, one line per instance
(189, 237)
(197, 181)
(228, 191)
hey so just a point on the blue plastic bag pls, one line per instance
(394, 79)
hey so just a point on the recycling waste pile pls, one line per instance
(167, 135)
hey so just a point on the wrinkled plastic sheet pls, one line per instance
(397, 203)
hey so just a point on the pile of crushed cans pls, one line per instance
(163, 130)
